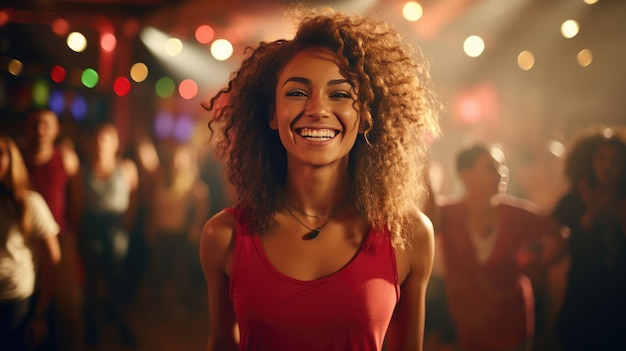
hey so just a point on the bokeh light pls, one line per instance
(57, 102)
(412, 11)
(473, 46)
(584, 57)
(60, 27)
(221, 49)
(77, 41)
(526, 60)
(173, 47)
(165, 87)
(163, 124)
(183, 129)
(78, 108)
(139, 72)
(204, 34)
(41, 93)
(188, 89)
(15, 67)
(569, 29)
(57, 74)
(121, 86)
(89, 78)
(108, 42)
(4, 18)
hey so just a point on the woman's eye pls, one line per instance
(298, 93)
(341, 94)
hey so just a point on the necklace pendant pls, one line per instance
(312, 234)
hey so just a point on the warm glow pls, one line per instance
(188, 89)
(584, 57)
(204, 34)
(107, 42)
(473, 46)
(556, 148)
(526, 60)
(15, 67)
(76, 41)
(139, 72)
(173, 47)
(569, 29)
(221, 49)
(590, 2)
(412, 11)
(4, 18)
(60, 27)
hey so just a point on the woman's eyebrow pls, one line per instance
(308, 81)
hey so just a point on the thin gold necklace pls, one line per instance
(314, 232)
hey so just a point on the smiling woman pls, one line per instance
(321, 246)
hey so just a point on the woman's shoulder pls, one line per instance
(218, 232)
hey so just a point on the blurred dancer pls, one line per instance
(29, 249)
(482, 236)
(52, 166)
(179, 208)
(593, 316)
(108, 205)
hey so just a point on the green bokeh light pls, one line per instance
(165, 87)
(41, 93)
(89, 78)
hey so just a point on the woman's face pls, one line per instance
(483, 177)
(5, 159)
(316, 117)
(608, 165)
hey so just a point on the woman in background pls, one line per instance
(108, 204)
(29, 249)
(593, 316)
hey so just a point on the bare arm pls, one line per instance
(406, 331)
(131, 173)
(216, 251)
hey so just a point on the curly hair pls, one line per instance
(579, 160)
(399, 114)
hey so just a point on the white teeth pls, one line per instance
(317, 133)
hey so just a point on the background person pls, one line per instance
(29, 250)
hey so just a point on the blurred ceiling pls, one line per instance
(552, 100)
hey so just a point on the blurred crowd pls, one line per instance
(87, 228)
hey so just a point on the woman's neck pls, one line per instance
(317, 191)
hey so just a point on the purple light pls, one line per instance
(163, 124)
(183, 129)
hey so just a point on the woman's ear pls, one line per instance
(272, 122)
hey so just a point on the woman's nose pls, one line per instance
(317, 106)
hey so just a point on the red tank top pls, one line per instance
(50, 180)
(347, 310)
